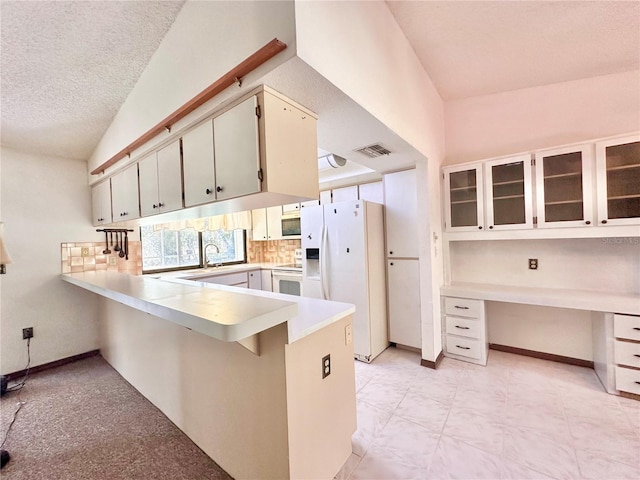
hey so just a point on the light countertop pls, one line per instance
(551, 297)
(222, 312)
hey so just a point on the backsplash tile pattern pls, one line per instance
(274, 251)
(72, 260)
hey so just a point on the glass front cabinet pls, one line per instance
(564, 187)
(464, 196)
(509, 195)
(618, 181)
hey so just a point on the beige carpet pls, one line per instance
(84, 421)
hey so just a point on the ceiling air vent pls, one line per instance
(373, 151)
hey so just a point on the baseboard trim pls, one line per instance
(542, 355)
(56, 363)
(430, 364)
(630, 395)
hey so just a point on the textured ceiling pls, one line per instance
(67, 67)
(471, 48)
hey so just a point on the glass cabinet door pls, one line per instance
(509, 193)
(618, 180)
(564, 187)
(463, 194)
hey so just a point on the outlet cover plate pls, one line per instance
(533, 264)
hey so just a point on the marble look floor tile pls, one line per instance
(362, 379)
(419, 408)
(381, 466)
(515, 471)
(441, 389)
(545, 417)
(348, 468)
(480, 431)
(597, 467)
(370, 422)
(407, 442)
(382, 395)
(540, 452)
(487, 401)
(457, 460)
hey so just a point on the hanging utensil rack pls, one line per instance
(122, 245)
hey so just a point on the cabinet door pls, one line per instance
(274, 223)
(618, 180)
(255, 280)
(325, 197)
(404, 302)
(169, 178)
(124, 187)
(259, 224)
(463, 196)
(197, 158)
(509, 193)
(371, 192)
(291, 208)
(401, 213)
(148, 168)
(237, 156)
(345, 194)
(101, 203)
(265, 281)
(564, 187)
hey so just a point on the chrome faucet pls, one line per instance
(206, 259)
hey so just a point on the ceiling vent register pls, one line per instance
(374, 151)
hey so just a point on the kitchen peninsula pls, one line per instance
(239, 371)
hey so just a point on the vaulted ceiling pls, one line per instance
(67, 67)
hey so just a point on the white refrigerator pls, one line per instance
(343, 259)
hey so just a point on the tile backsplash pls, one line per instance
(73, 261)
(273, 251)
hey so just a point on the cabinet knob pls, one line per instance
(479, 227)
(124, 214)
(490, 227)
(604, 221)
(209, 191)
(391, 263)
(160, 205)
(155, 206)
(588, 222)
(219, 189)
(390, 253)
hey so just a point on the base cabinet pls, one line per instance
(465, 330)
(404, 302)
(626, 353)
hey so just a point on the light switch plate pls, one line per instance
(112, 260)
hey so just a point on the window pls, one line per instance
(164, 249)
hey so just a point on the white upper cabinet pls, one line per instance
(161, 181)
(345, 194)
(101, 203)
(618, 181)
(464, 198)
(371, 192)
(237, 154)
(509, 197)
(197, 158)
(564, 184)
(124, 194)
(401, 214)
(325, 197)
(266, 223)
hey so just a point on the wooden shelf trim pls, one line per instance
(234, 75)
(623, 167)
(563, 175)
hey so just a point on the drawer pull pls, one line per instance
(636, 355)
(467, 348)
(467, 328)
(635, 328)
(467, 308)
(637, 382)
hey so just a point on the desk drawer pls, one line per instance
(467, 327)
(628, 380)
(626, 326)
(466, 347)
(627, 353)
(463, 307)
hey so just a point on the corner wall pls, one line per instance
(45, 201)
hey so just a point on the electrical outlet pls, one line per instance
(84, 251)
(113, 261)
(348, 334)
(326, 366)
(533, 264)
(27, 333)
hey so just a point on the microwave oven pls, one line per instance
(291, 225)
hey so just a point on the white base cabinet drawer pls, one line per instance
(231, 279)
(465, 347)
(626, 326)
(627, 353)
(628, 380)
(465, 327)
(463, 307)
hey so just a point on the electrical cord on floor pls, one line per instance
(18, 388)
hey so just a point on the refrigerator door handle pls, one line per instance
(324, 264)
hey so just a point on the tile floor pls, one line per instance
(516, 418)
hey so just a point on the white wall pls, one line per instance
(45, 202)
(206, 41)
(359, 47)
(542, 117)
